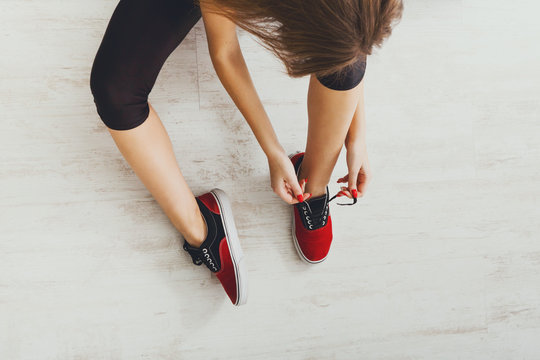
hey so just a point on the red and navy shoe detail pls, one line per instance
(312, 223)
(221, 251)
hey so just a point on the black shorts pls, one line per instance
(139, 38)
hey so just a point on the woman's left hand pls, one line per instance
(359, 171)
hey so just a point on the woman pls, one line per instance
(326, 39)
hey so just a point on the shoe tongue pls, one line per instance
(317, 204)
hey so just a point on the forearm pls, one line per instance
(234, 75)
(357, 129)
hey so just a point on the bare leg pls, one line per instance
(330, 113)
(148, 150)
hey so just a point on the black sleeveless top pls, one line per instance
(347, 79)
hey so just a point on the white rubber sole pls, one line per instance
(231, 235)
(295, 240)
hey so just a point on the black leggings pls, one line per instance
(139, 38)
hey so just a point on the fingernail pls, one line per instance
(300, 198)
(354, 193)
(341, 193)
(305, 180)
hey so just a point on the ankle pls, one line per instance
(315, 190)
(314, 186)
(197, 232)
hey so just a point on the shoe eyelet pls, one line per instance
(305, 212)
(307, 217)
(323, 222)
(303, 208)
(310, 227)
(309, 221)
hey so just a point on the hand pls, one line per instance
(359, 171)
(284, 181)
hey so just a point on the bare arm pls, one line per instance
(233, 73)
(357, 159)
(357, 130)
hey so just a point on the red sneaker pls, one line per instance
(221, 251)
(312, 223)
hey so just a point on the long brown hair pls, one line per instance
(314, 36)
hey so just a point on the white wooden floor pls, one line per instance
(440, 260)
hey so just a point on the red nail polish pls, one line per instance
(354, 193)
(305, 180)
(300, 198)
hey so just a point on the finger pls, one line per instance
(287, 186)
(303, 185)
(346, 192)
(297, 190)
(343, 179)
(353, 177)
(286, 196)
(363, 180)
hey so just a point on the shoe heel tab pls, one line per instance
(210, 202)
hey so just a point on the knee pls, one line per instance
(120, 103)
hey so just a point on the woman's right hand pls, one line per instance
(284, 181)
